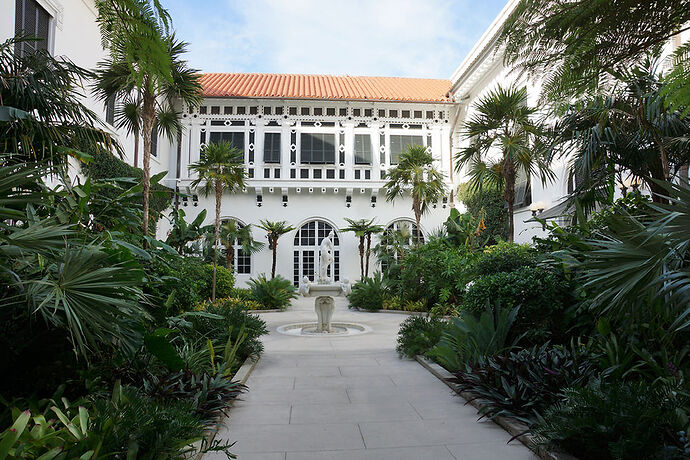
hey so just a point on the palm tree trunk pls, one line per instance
(509, 195)
(418, 218)
(219, 196)
(366, 271)
(361, 257)
(148, 118)
(275, 255)
(229, 256)
(136, 150)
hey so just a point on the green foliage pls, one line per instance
(107, 166)
(466, 339)
(504, 257)
(541, 294)
(615, 420)
(419, 334)
(221, 321)
(463, 229)
(523, 383)
(369, 294)
(242, 294)
(435, 272)
(489, 206)
(183, 233)
(555, 41)
(275, 293)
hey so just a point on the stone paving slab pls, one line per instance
(352, 398)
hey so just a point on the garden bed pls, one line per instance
(514, 427)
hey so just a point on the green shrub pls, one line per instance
(229, 315)
(491, 206)
(242, 293)
(445, 309)
(504, 257)
(542, 295)
(368, 294)
(466, 339)
(615, 420)
(523, 383)
(183, 282)
(392, 303)
(435, 271)
(418, 334)
(273, 294)
(415, 306)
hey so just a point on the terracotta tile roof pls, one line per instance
(325, 87)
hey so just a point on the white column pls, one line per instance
(376, 152)
(349, 128)
(184, 151)
(284, 149)
(445, 151)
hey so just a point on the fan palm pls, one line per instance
(231, 233)
(274, 230)
(363, 229)
(415, 174)
(220, 169)
(145, 68)
(504, 123)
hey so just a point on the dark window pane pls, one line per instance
(215, 110)
(400, 144)
(317, 148)
(272, 148)
(362, 149)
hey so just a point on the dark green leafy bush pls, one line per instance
(274, 294)
(541, 293)
(504, 257)
(419, 334)
(523, 383)
(616, 420)
(435, 272)
(215, 320)
(369, 294)
(491, 206)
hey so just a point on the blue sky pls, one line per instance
(407, 38)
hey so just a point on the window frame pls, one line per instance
(50, 12)
(370, 152)
(280, 144)
(324, 158)
(391, 161)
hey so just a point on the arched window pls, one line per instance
(306, 254)
(242, 261)
(392, 245)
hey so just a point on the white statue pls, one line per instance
(326, 257)
(304, 286)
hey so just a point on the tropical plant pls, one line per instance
(466, 339)
(363, 229)
(50, 119)
(144, 68)
(231, 233)
(555, 40)
(391, 249)
(627, 132)
(504, 257)
(489, 207)
(416, 175)
(615, 420)
(505, 122)
(368, 294)
(182, 233)
(275, 293)
(274, 230)
(522, 384)
(220, 169)
(419, 334)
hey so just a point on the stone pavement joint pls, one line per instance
(353, 398)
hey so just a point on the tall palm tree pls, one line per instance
(274, 230)
(504, 123)
(145, 65)
(363, 229)
(415, 174)
(220, 169)
(230, 232)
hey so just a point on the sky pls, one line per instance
(402, 38)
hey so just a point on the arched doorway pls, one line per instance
(398, 236)
(306, 250)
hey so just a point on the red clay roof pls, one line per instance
(325, 87)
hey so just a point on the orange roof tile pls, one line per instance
(325, 87)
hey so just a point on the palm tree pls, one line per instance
(504, 123)
(231, 232)
(363, 229)
(274, 230)
(145, 69)
(416, 174)
(220, 168)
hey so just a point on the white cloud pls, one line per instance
(425, 38)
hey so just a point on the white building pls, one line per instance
(316, 150)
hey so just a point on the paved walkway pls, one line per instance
(352, 398)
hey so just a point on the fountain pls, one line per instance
(324, 290)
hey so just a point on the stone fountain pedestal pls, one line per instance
(324, 304)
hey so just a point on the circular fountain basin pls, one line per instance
(338, 329)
